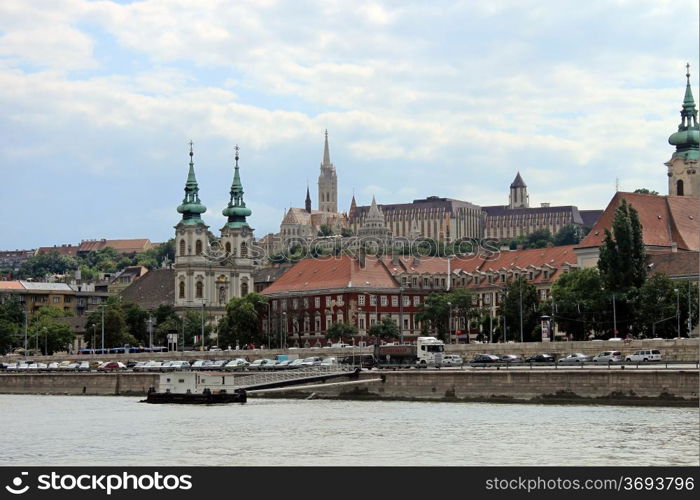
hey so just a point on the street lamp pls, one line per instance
(150, 332)
(203, 306)
(284, 319)
(678, 311)
(401, 314)
(268, 325)
(46, 341)
(26, 314)
(449, 324)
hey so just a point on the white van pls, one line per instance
(644, 355)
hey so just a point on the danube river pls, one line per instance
(95, 430)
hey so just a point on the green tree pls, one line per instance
(622, 261)
(48, 332)
(434, 313)
(135, 318)
(115, 332)
(646, 191)
(39, 267)
(462, 307)
(346, 232)
(579, 303)
(569, 234)
(11, 322)
(521, 301)
(341, 331)
(659, 301)
(242, 322)
(386, 329)
(539, 238)
(325, 230)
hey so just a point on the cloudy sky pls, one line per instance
(100, 98)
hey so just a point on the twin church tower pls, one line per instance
(208, 275)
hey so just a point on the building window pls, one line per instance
(228, 247)
(67, 300)
(405, 323)
(361, 322)
(679, 187)
(339, 300)
(182, 247)
(360, 300)
(384, 300)
(306, 302)
(307, 323)
(199, 290)
(328, 300)
(295, 303)
(244, 250)
(198, 247)
(373, 300)
(182, 290)
(416, 300)
(56, 300)
(317, 302)
(406, 300)
(317, 323)
(244, 289)
(394, 300)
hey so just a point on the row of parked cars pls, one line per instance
(237, 364)
(642, 355)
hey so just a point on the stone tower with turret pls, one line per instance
(683, 179)
(518, 193)
(327, 183)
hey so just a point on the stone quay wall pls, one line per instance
(92, 384)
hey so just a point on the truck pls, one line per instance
(427, 351)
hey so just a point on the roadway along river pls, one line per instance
(95, 430)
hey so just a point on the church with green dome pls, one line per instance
(683, 177)
(209, 273)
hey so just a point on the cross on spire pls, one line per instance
(236, 149)
(687, 71)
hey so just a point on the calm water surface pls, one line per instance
(75, 430)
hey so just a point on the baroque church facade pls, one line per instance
(683, 177)
(208, 275)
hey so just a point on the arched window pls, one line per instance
(244, 289)
(679, 187)
(198, 247)
(244, 250)
(199, 290)
(228, 247)
(182, 289)
(182, 247)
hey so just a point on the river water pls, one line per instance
(94, 430)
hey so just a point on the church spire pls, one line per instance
(191, 206)
(236, 210)
(687, 138)
(307, 203)
(326, 152)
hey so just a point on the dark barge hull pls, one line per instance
(206, 398)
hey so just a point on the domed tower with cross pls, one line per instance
(683, 179)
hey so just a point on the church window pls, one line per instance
(679, 187)
(182, 289)
(199, 290)
(198, 247)
(182, 247)
(244, 250)
(228, 247)
(244, 289)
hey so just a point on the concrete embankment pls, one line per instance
(586, 386)
(643, 387)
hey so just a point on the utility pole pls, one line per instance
(520, 286)
(614, 317)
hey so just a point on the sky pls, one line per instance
(99, 100)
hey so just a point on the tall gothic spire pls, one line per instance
(326, 152)
(191, 206)
(307, 203)
(236, 210)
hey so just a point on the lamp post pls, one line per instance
(614, 317)
(678, 312)
(449, 324)
(520, 288)
(268, 325)
(26, 314)
(282, 336)
(46, 341)
(203, 306)
(401, 314)
(102, 311)
(150, 332)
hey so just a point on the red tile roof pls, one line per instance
(11, 285)
(674, 264)
(664, 219)
(330, 273)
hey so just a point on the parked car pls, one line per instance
(452, 360)
(511, 358)
(69, 367)
(329, 362)
(11, 367)
(111, 366)
(217, 365)
(236, 365)
(140, 366)
(644, 355)
(198, 365)
(259, 364)
(53, 366)
(485, 358)
(178, 366)
(282, 365)
(152, 366)
(311, 361)
(84, 366)
(540, 358)
(607, 356)
(575, 357)
(297, 363)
